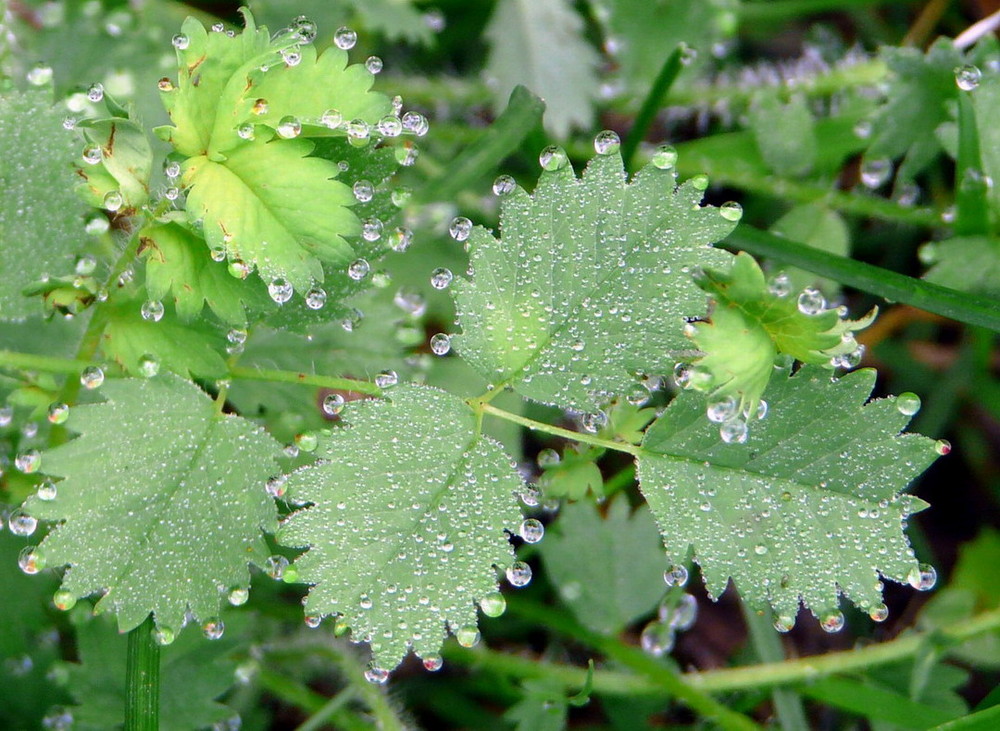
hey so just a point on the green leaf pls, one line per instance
(271, 206)
(193, 672)
(411, 510)
(750, 326)
(589, 284)
(539, 44)
(573, 476)
(785, 134)
(125, 165)
(875, 703)
(162, 503)
(820, 227)
(178, 266)
(41, 220)
(966, 263)
(810, 507)
(608, 571)
(397, 20)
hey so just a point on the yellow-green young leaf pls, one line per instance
(751, 324)
(810, 507)
(410, 516)
(590, 282)
(161, 503)
(41, 219)
(124, 167)
(179, 267)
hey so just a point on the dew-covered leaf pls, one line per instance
(539, 44)
(161, 505)
(410, 516)
(395, 19)
(820, 227)
(785, 134)
(41, 219)
(589, 283)
(966, 263)
(123, 164)
(808, 508)
(608, 571)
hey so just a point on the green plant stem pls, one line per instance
(142, 679)
(329, 709)
(960, 306)
(654, 100)
(533, 425)
(309, 379)
(770, 11)
(787, 704)
(48, 364)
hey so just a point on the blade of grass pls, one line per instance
(650, 106)
(787, 704)
(972, 211)
(988, 720)
(967, 308)
(875, 703)
(142, 679)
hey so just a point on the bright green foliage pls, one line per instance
(193, 673)
(589, 284)
(162, 502)
(125, 164)
(785, 134)
(410, 513)
(821, 228)
(180, 269)
(986, 107)
(574, 475)
(397, 20)
(33, 140)
(808, 508)
(539, 44)
(189, 349)
(750, 326)
(609, 570)
(967, 263)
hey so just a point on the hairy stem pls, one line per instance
(274, 376)
(142, 679)
(558, 431)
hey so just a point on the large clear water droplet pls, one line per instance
(519, 574)
(345, 38)
(553, 158)
(967, 77)
(607, 142)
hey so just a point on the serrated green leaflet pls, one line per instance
(966, 263)
(410, 513)
(178, 267)
(589, 284)
(126, 161)
(810, 507)
(162, 502)
(271, 206)
(750, 325)
(41, 220)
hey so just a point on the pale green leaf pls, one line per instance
(162, 503)
(966, 263)
(410, 516)
(539, 44)
(41, 220)
(810, 507)
(394, 19)
(125, 166)
(785, 134)
(608, 571)
(821, 228)
(589, 283)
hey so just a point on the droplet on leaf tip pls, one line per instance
(553, 158)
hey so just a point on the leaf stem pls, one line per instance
(45, 363)
(318, 719)
(533, 425)
(309, 379)
(142, 679)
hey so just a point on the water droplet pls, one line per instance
(58, 413)
(922, 577)
(40, 74)
(415, 123)
(313, 620)
(163, 635)
(165, 85)
(307, 441)
(364, 191)
(519, 574)
(376, 675)
(333, 404)
(345, 38)
(358, 133)
(967, 77)
(811, 301)
(180, 41)
(721, 409)
(468, 636)
(441, 278)
(553, 158)
(91, 377)
(879, 613)
(316, 298)
(280, 290)
(493, 605)
(275, 487)
(908, 403)
(304, 28)
(213, 629)
(371, 229)
(675, 575)
(373, 64)
(433, 663)
(331, 119)
(246, 132)
(503, 185)
(95, 92)
(460, 228)
(92, 154)
(386, 379)
(594, 422)
(780, 285)
(657, 638)
(665, 157)
(152, 310)
(440, 344)
(784, 623)
(64, 600)
(289, 127)
(863, 129)
(532, 530)
(700, 182)
(358, 269)
(260, 107)
(238, 597)
(47, 490)
(762, 408)
(406, 154)
(832, 621)
(30, 560)
(607, 142)
(942, 447)
(28, 461)
(734, 431)
(400, 239)
(291, 56)
(682, 616)
(113, 200)
(731, 211)
(875, 173)
(21, 524)
(275, 567)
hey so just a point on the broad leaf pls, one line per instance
(162, 503)
(539, 44)
(41, 220)
(810, 507)
(410, 516)
(589, 284)
(785, 134)
(966, 263)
